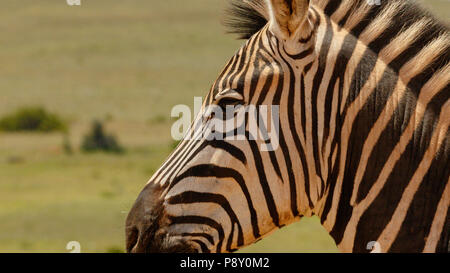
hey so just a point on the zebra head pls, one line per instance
(218, 194)
(333, 108)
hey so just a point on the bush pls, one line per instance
(98, 140)
(32, 119)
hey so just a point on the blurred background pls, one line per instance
(85, 99)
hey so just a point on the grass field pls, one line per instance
(127, 62)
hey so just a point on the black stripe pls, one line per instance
(248, 50)
(204, 235)
(262, 96)
(182, 157)
(256, 72)
(346, 51)
(192, 219)
(223, 145)
(264, 183)
(419, 218)
(301, 55)
(303, 104)
(296, 138)
(240, 56)
(361, 26)
(202, 246)
(322, 64)
(331, 7)
(282, 141)
(402, 171)
(360, 77)
(361, 127)
(443, 245)
(216, 89)
(272, 155)
(190, 197)
(209, 170)
(229, 148)
(307, 68)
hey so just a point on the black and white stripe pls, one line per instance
(364, 138)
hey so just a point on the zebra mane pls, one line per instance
(246, 17)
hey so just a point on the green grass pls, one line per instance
(127, 62)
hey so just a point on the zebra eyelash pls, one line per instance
(229, 97)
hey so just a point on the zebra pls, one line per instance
(364, 110)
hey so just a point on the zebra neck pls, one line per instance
(377, 92)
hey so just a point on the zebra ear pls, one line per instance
(287, 16)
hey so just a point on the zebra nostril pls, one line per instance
(132, 238)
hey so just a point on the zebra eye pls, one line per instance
(229, 97)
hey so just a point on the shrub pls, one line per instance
(98, 140)
(32, 119)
